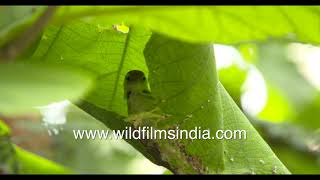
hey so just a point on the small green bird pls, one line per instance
(138, 93)
(142, 106)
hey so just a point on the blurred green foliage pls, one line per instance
(233, 85)
(291, 99)
(309, 115)
(38, 84)
(278, 107)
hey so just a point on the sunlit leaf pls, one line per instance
(101, 49)
(221, 24)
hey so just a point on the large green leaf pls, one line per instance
(221, 24)
(183, 78)
(101, 49)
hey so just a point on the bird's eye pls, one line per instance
(144, 78)
(128, 78)
(128, 93)
(146, 91)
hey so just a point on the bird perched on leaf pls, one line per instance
(137, 92)
(142, 106)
